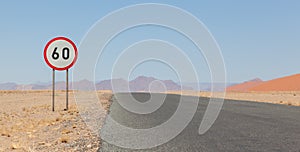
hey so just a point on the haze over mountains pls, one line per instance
(141, 83)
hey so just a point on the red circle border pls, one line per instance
(65, 39)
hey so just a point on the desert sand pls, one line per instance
(284, 84)
(27, 123)
(284, 90)
(291, 98)
(288, 83)
(245, 86)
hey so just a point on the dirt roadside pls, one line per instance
(27, 123)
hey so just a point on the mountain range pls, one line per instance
(141, 83)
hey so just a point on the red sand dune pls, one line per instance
(243, 87)
(288, 83)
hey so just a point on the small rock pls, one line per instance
(65, 139)
(15, 146)
(66, 131)
(41, 143)
(48, 144)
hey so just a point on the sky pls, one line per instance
(257, 38)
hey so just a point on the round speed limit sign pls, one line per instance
(60, 53)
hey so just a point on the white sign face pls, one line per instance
(60, 53)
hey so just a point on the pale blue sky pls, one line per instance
(257, 38)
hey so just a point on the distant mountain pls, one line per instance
(245, 86)
(77, 85)
(119, 84)
(31, 87)
(61, 85)
(8, 86)
(288, 83)
(141, 83)
(82, 85)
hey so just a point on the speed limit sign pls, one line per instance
(60, 53)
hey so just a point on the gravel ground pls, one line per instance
(27, 123)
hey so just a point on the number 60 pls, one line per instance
(65, 53)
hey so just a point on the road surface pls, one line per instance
(241, 126)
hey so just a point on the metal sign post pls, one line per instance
(53, 89)
(67, 90)
(60, 54)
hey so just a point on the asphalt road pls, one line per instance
(241, 126)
